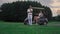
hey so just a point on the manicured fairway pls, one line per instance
(20, 28)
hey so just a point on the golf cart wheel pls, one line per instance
(40, 23)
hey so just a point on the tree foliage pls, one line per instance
(17, 11)
(57, 18)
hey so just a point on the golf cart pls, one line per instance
(37, 19)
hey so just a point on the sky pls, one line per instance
(53, 4)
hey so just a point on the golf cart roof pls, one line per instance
(37, 8)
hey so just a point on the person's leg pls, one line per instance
(30, 20)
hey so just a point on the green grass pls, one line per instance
(20, 28)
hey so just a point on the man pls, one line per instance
(40, 14)
(29, 16)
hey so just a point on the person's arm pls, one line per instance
(39, 14)
(31, 10)
(28, 10)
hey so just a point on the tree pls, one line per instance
(57, 18)
(16, 11)
(48, 13)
